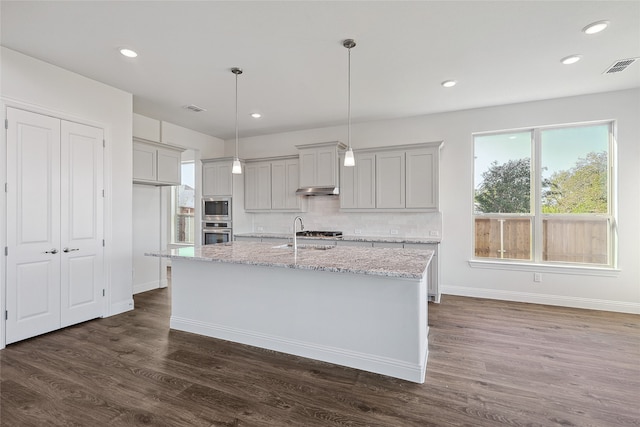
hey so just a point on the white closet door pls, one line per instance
(81, 227)
(33, 224)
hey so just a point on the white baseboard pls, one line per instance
(558, 300)
(144, 287)
(339, 356)
(121, 307)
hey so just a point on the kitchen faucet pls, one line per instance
(295, 241)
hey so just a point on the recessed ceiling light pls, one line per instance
(449, 83)
(572, 59)
(595, 27)
(128, 53)
(256, 115)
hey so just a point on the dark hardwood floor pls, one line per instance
(491, 363)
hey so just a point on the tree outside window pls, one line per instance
(565, 172)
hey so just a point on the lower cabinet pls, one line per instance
(434, 268)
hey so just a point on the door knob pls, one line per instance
(70, 250)
(52, 251)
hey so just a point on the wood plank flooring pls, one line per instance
(491, 363)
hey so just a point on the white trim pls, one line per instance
(368, 362)
(545, 268)
(546, 299)
(121, 307)
(148, 286)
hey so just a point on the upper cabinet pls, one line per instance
(319, 164)
(392, 178)
(271, 184)
(156, 164)
(217, 177)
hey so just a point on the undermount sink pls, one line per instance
(304, 246)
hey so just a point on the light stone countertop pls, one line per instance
(346, 238)
(388, 262)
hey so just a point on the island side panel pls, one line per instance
(374, 323)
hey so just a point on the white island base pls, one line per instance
(368, 322)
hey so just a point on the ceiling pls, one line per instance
(295, 67)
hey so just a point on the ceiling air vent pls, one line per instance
(194, 108)
(620, 65)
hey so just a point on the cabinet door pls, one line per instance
(308, 167)
(326, 166)
(422, 178)
(144, 162)
(169, 166)
(292, 171)
(223, 178)
(358, 183)
(208, 179)
(217, 178)
(251, 186)
(366, 181)
(257, 186)
(279, 185)
(348, 190)
(390, 180)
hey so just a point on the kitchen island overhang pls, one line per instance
(365, 308)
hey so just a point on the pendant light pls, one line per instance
(237, 167)
(348, 156)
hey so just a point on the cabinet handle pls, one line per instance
(52, 251)
(70, 250)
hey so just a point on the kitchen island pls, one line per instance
(364, 308)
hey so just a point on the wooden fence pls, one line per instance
(565, 240)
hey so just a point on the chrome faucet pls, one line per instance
(295, 241)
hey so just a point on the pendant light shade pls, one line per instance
(349, 160)
(237, 167)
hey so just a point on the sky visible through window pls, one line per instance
(561, 148)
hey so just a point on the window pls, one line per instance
(183, 224)
(545, 195)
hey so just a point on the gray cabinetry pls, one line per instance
(156, 164)
(392, 178)
(217, 177)
(319, 164)
(271, 184)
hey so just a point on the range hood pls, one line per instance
(318, 191)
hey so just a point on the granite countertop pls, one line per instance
(348, 238)
(389, 262)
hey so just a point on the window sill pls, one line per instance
(545, 268)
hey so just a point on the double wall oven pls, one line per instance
(216, 220)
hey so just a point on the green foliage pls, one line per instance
(581, 189)
(505, 188)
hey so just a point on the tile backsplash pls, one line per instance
(323, 213)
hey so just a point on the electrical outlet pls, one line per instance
(393, 231)
(357, 231)
(259, 228)
(434, 233)
(537, 277)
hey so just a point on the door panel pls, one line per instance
(81, 223)
(33, 224)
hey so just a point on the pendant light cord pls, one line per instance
(349, 102)
(236, 115)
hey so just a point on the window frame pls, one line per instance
(536, 262)
(174, 212)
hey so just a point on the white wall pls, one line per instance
(151, 205)
(621, 292)
(35, 85)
